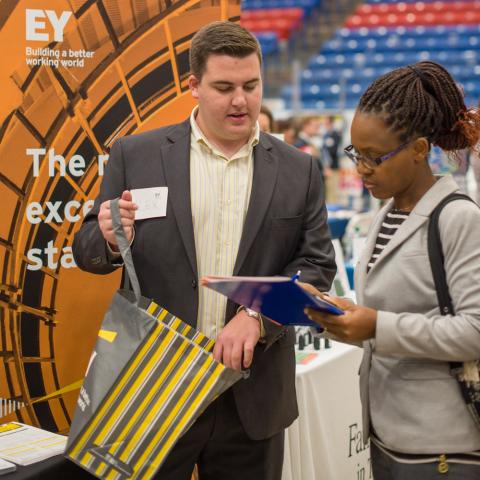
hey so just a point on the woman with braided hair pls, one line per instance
(413, 408)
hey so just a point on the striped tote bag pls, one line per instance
(150, 376)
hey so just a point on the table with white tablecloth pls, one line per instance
(325, 442)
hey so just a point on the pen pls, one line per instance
(296, 276)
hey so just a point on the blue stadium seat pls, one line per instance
(268, 42)
(306, 5)
(347, 64)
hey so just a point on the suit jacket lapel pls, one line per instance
(176, 161)
(264, 179)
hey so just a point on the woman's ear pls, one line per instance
(421, 147)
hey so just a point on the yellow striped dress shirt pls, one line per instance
(220, 189)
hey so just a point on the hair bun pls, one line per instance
(464, 133)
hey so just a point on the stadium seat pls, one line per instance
(388, 34)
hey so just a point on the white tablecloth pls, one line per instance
(325, 442)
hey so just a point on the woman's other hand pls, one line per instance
(358, 323)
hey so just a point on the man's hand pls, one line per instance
(237, 340)
(356, 324)
(127, 215)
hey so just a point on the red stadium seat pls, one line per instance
(417, 7)
(280, 20)
(427, 17)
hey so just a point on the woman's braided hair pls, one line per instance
(423, 100)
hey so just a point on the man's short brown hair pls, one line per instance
(221, 38)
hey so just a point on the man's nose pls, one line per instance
(239, 99)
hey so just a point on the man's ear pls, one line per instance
(193, 83)
(421, 147)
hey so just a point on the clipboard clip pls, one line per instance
(296, 276)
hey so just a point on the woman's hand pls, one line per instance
(342, 303)
(358, 323)
(309, 288)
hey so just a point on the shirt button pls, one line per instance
(194, 284)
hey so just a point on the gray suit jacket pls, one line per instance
(285, 230)
(408, 393)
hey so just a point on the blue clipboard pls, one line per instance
(278, 298)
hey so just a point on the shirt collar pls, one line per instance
(201, 139)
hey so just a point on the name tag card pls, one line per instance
(152, 202)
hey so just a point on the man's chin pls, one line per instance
(237, 132)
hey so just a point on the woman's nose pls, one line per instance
(363, 168)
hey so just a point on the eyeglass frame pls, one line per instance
(379, 160)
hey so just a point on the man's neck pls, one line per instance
(228, 148)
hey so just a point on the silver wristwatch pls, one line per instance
(252, 313)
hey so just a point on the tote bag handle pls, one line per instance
(124, 247)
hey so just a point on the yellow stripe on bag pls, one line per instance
(168, 390)
(111, 475)
(107, 335)
(147, 399)
(209, 345)
(185, 418)
(175, 324)
(151, 309)
(99, 415)
(146, 370)
(166, 424)
(197, 338)
(102, 468)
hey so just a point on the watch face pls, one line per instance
(252, 313)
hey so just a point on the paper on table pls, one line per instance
(6, 467)
(24, 444)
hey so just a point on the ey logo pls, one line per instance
(36, 24)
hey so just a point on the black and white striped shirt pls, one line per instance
(391, 222)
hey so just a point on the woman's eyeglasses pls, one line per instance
(372, 162)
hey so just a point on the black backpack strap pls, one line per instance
(435, 254)
(468, 389)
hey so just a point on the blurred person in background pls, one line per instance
(287, 129)
(266, 120)
(306, 132)
(413, 408)
(331, 141)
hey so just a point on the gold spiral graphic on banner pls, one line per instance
(135, 80)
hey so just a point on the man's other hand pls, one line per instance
(237, 341)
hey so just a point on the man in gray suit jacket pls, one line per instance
(239, 202)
